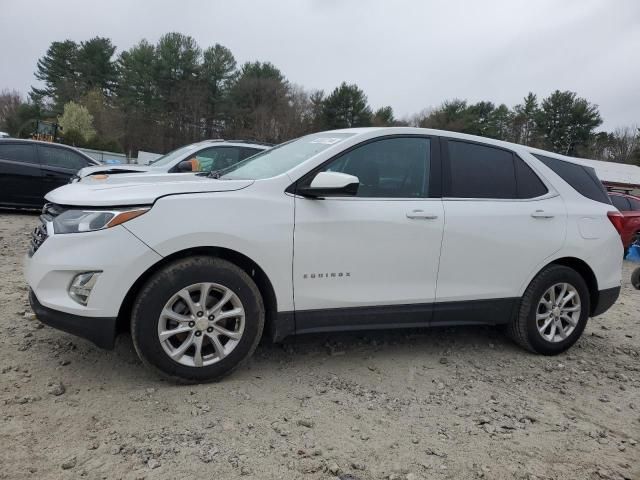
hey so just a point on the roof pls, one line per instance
(40, 142)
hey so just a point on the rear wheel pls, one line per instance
(197, 319)
(553, 312)
(635, 278)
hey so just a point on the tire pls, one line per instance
(524, 326)
(635, 278)
(165, 291)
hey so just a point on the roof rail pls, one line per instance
(251, 142)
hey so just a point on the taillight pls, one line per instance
(617, 219)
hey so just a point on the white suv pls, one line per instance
(205, 156)
(343, 230)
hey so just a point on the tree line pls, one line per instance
(157, 97)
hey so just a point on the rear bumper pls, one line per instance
(606, 299)
(99, 330)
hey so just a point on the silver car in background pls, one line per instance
(205, 156)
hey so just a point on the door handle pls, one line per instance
(421, 215)
(542, 214)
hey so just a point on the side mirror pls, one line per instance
(327, 184)
(185, 166)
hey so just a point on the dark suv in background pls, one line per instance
(29, 169)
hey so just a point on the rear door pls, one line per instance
(20, 175)
(59, 164)
(501, 222)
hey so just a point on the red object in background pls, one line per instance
(629, 206)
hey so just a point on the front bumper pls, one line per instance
(120, 257)
(99, 330)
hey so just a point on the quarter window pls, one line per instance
(62, 158)
(481, 171)
(583, 179)
(18, 152)
(388, 168)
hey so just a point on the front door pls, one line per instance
(370, 260)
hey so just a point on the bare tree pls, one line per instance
(10, 100)
(624, 145)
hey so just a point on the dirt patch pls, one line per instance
(441, 403)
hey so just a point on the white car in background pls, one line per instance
(205, 156)
(344, 230)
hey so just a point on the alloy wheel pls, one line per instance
(201, 324)
(558, 312)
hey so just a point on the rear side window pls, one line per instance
(620, 202)
(249, 152)
(218, 158)
(18, 152)
(528, 183)
(62, 158)
(583, 179)
(635, 204)
(481, 171)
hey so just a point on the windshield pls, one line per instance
(173, 155)
(282, 158)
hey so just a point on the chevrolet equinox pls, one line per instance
(344, 230)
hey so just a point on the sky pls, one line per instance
(409, 54)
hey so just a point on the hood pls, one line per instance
(110, 169)
(138, 189)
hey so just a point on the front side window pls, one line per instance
(62, 158)
(18, 152)
(388, 168)
(217, 158)
(284, 157)
(168, 158)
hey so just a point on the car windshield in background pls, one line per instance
(171, 156)
(282, 158)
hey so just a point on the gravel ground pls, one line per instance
(442, 403)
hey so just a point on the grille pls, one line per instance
(39, 234)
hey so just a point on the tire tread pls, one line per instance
(171, 269)
(518, 327)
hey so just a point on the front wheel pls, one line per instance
(197, 319)
(553, 311)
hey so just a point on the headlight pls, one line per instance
(75, 221)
